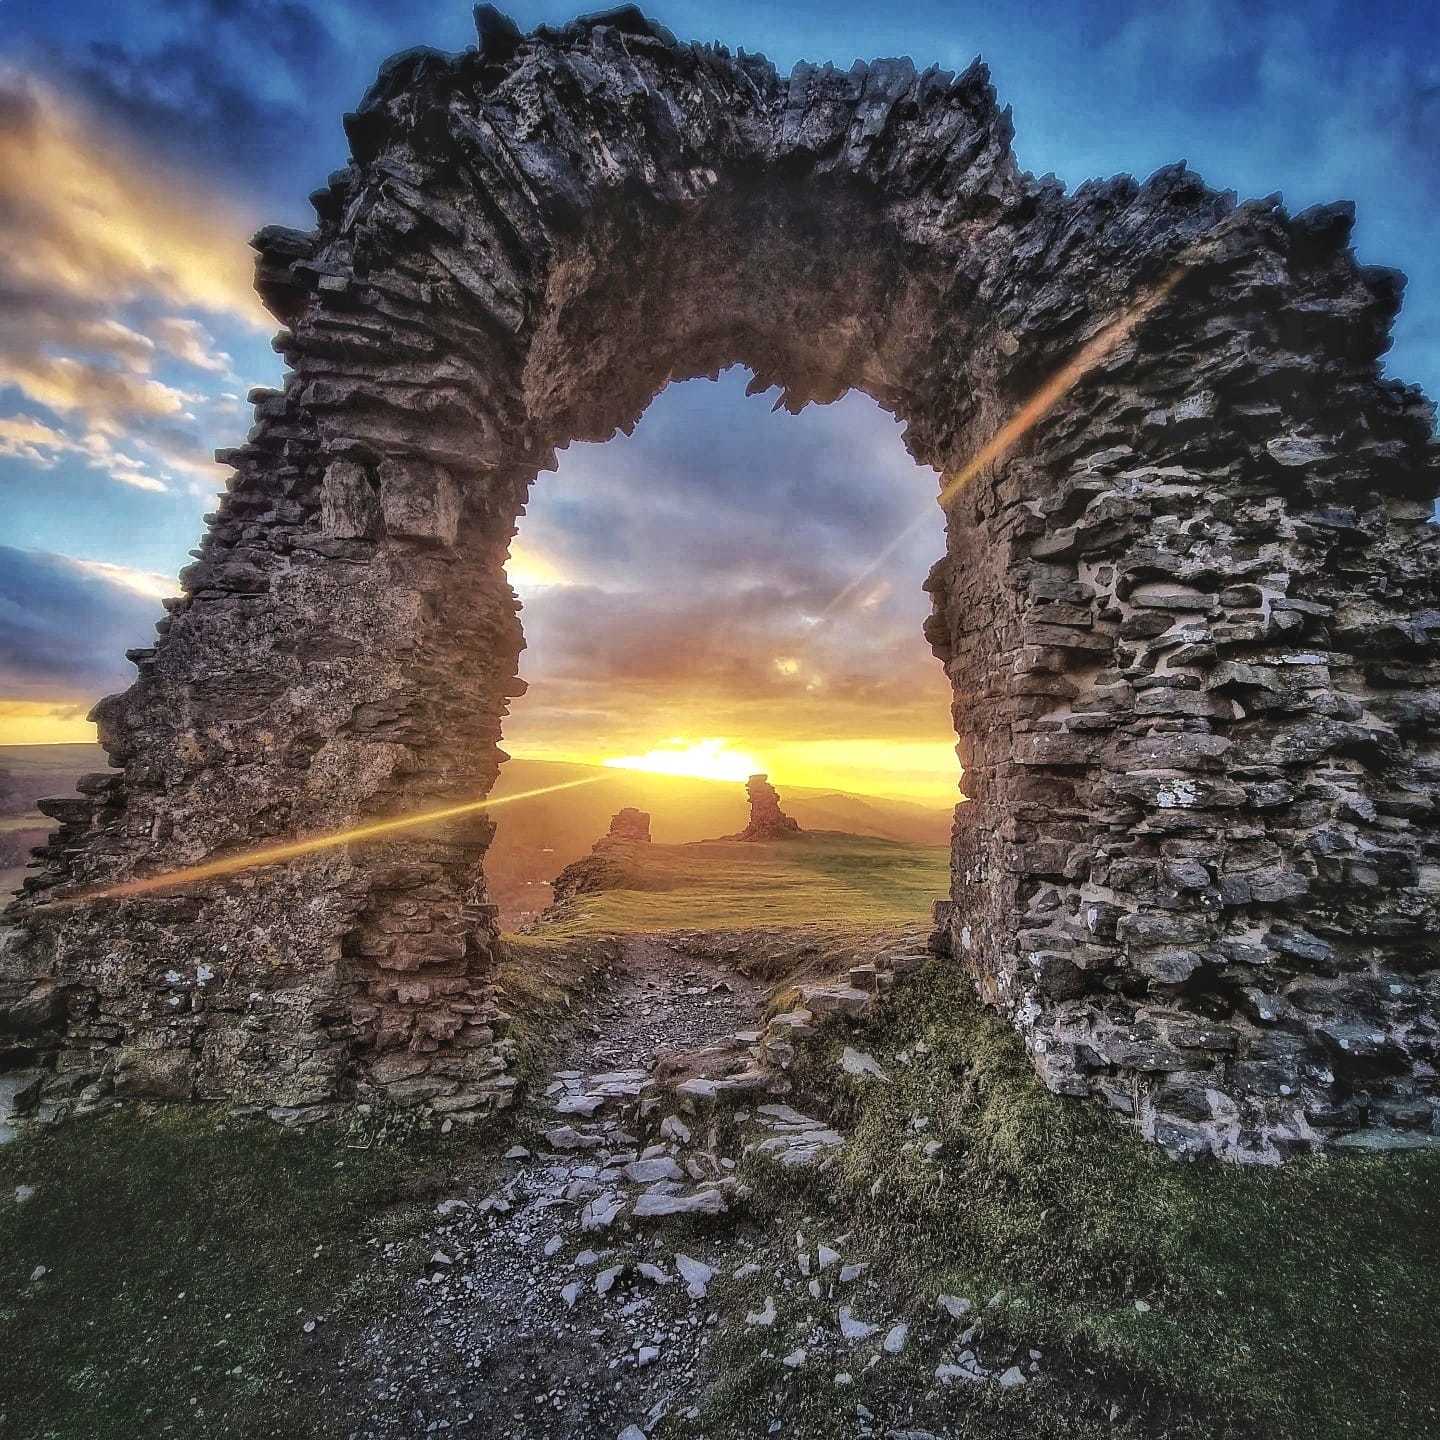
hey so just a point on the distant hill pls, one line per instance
(536, 838)
(35, 772)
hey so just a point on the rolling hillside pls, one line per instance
(537, 837)
(847, 881)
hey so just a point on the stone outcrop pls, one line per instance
(767, 820)
(627, 827)
(603, 867)
(1191, 620)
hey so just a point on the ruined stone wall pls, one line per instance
(1190, 620)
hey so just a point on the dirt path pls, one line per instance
(663, 999)
(569, 1303)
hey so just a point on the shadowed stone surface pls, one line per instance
(1191, 621)
(767, 820)
(627, 827)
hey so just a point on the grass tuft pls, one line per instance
(1301, 1302)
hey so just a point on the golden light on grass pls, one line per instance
(311, 845)
(710, 759)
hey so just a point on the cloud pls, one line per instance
(149, 583)
(106, 398)
(190, 341)
(23, 437)
(99, 247)
(97, 221)
(697, 555)
(65, 625)
(44, 722)
(248, 93)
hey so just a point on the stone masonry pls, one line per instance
(627, 827)
(1191, 620)
(767, 820)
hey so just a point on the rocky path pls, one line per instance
(593, 1286)
(573, 1300)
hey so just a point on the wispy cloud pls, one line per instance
(190, 341)
(100, 252)
(23, 437)
(102, 223)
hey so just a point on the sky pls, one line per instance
(142, 141)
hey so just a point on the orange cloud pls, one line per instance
(106, 397)
(44, 722)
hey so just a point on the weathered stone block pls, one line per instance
(420, 502)
(349, 503)
(155, 1074)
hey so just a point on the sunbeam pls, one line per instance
(274, 854)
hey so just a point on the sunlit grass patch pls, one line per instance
(837, 880)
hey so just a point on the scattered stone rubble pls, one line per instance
(810, 1004)
(767, 820)
(582, 1295)
(1191, 622)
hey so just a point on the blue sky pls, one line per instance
(198, 120)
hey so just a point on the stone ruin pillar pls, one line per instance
(627, 827)
(767, 820)
(1194, 634)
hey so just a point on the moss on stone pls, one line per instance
(1300, 1302)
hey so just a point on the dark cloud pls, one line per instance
(178, 103)
(65, 627)
(716, 488)
(19, 114)
(246, 91)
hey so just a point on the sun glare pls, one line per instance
(527, 569)
(703, 759)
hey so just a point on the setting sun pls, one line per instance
(702, 759)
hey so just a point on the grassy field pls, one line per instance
(183, 1257)
(184, 1253)
(839, 880)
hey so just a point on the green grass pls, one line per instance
(1302, 1302)
(181, 1245)
(180, 1249)
(839, 880)
(1295, 1304)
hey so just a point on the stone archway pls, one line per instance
(1190, 619)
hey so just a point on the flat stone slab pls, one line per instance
(585, 1105)
(652, 1205)
(647, 1172)
(566, 1137)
